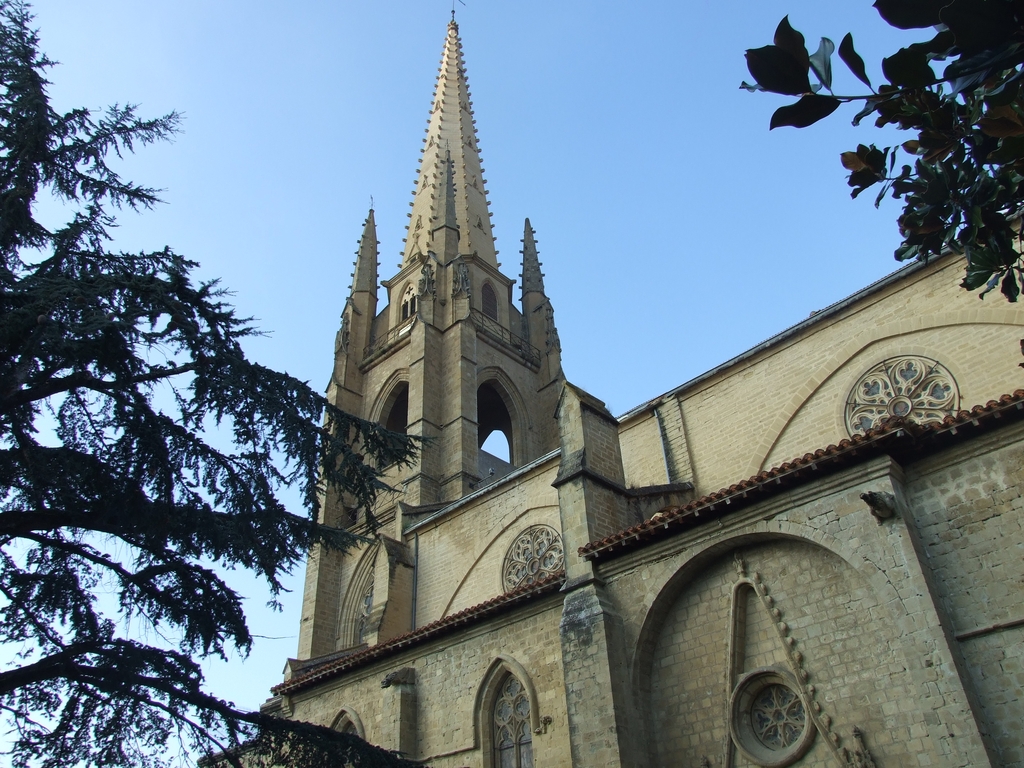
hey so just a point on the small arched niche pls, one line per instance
(348, 721)
(494, 430)
(395, 413)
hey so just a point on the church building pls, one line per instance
(811, 555)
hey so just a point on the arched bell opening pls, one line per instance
(494, 431)
(395, 414)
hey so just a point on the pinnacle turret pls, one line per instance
(451, 165)
(364, 278)
(531, 279)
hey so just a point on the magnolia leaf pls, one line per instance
(910, 14)
(1010, 150)
(853, 60)
(1006, 92)
(908, 68)
(791, 41)
(1009, 288)
(752, 88)
(852, 161)
(869, 107)
(979, 26)
(1000, 127)
(777, 71)
(809, 110)
(821, 62)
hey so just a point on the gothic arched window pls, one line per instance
(408, 303)
(513, 739)
(489, 301)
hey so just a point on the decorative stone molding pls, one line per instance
(799, 681)
(860, 757)
(460, 279)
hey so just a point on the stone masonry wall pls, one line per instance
(449, 675)
(461, 555)
(789, 400)
(970, 513)
(856, 614)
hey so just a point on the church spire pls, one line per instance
(451, 133)
(365, 276)
(532, 279)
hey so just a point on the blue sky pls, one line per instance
(675, 230)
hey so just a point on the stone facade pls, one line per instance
(811, 555)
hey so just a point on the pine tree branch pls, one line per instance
(86, 380)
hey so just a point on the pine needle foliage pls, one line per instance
(114, 369)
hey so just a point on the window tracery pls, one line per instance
(918, 388)
(769, 722)
(513, 739)
(408, 303)
(535, 554)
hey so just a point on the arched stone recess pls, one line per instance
(486, 696)
(386, 394)
(353, 606)
(348, 721)
(787, 410)
(514, 405)
(839, 608)
(484, 574)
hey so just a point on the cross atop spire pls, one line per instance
(451, 134)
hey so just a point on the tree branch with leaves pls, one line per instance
(960, 92)
(113, 368)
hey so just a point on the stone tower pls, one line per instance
(452, 358)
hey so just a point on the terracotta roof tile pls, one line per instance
(335, 667)
(896, 435)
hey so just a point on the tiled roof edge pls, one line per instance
(470, 615)
(892, 434)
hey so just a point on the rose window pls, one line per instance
(768, 718)
(534, 555)
(920, 389)
(778, 717)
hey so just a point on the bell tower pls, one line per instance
(452, 358)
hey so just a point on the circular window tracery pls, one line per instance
(768, 719)
(921, 389)
(535, 554)
(778, 717)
